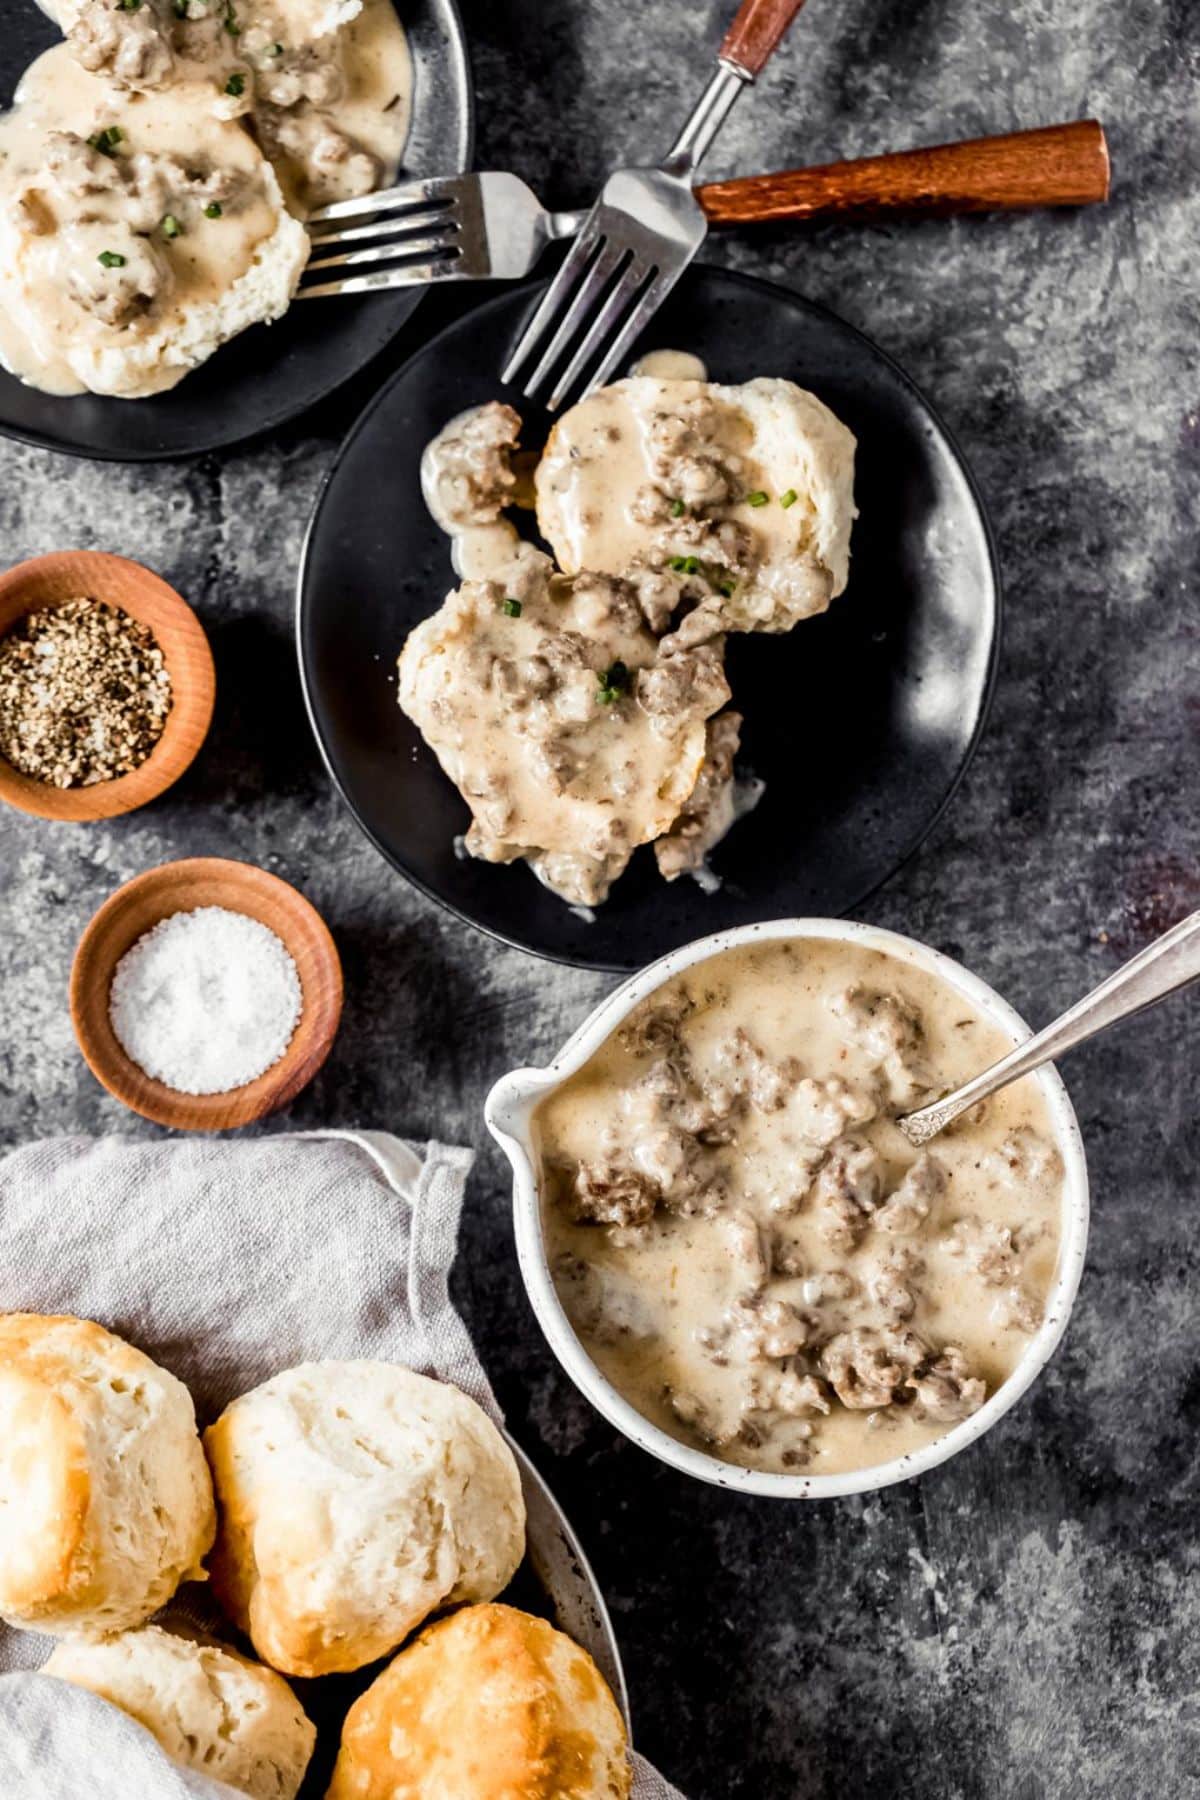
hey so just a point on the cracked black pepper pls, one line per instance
(84, 694)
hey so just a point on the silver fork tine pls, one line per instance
(440, 189)
(393, 222)
(419, 275)
(601, 329)
(589, 294)
(647, 304)
(427, 247)
(491, 225)
(570, 272)
(401, 236)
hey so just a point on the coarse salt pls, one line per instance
(205, 1001)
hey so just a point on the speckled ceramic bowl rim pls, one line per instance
(509, 1113)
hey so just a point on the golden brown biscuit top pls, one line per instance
(73, 1397)
(487, 1704)
(44, 1464)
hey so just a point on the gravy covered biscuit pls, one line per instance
(575, 701)
(138, 233)
(156, 42)
(105, 1498)
(745, 494)
(154, 169)
(488, 1704)
(550, 710)
(355, 1498)
(209, 1708)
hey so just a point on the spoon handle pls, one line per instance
(1169, 963)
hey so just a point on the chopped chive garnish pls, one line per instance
(788, 499)
(106, 141)
(129, 5)
(181, 9)
(677, 509)
(236, 85)
(677, 563)
(111, 259)
(512, 608)
(171, 228)
(757, 498)
(213, 210)
(727, 588)
(231, 23)
(613, 683)
(684, 565)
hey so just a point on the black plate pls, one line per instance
(860, 722)
(271, 373)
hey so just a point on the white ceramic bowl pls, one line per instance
(509, 1113)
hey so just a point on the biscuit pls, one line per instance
(354, 1499)
(209, 1708)
(484, 1705)
(105, 1496)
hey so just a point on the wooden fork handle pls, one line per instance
(757, 31)
(1059, 165)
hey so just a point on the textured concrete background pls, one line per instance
(1026, 1621)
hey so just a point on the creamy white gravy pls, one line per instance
(750, 488)
(346, 145)
(147, 246)
(529, 689)
(86, 236)
(671, 365)
(751, 1251)
(648, 493)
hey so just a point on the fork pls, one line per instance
(642, 233)
(629, 251)
(491, 226)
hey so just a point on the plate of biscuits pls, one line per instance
(327, 1517)
(714, 645)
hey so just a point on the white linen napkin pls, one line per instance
(225, 1260)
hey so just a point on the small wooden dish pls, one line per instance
(182, 887)
(75, 574)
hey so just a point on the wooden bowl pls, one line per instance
(71, 575)
(181, 887)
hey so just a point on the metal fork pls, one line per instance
(453, 228)
(642, 233)
(491, 226)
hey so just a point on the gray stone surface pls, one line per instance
(1025, 1621)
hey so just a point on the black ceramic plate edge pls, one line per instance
(402, 307)
(626, 967)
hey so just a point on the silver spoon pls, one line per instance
(1169, 963)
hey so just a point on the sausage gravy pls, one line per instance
(747, 1246)
(602, 682)
(153, 171)
(131, 227)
